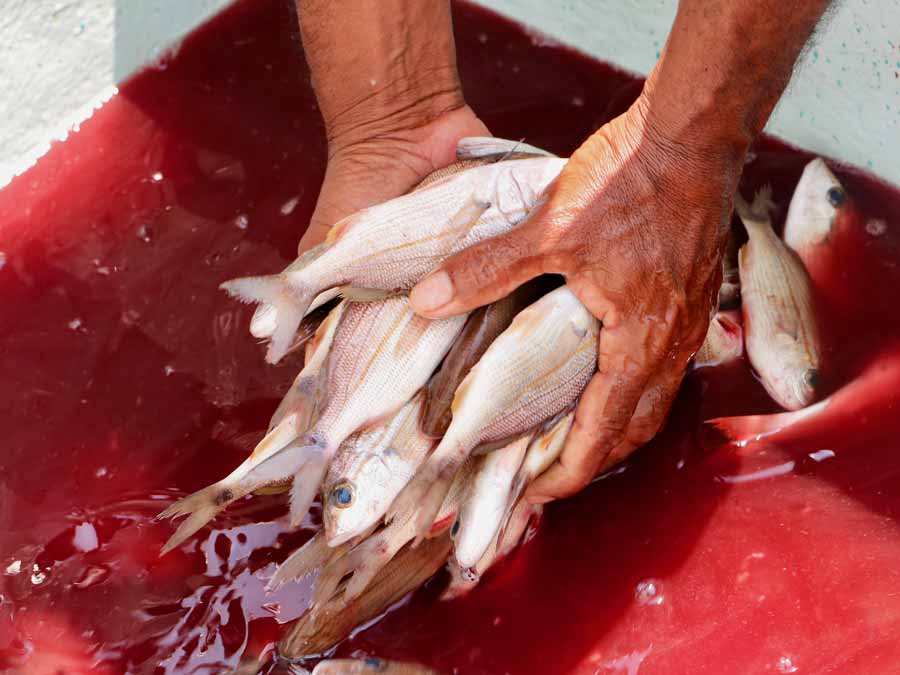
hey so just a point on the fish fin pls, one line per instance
(329, 580)
(304, 561)
(518, 487)
(306, 484)
(477, 147)
(370, 557)
(758, 214)
(200, 508)
(365, 294)
(290, 305)
(465, 218)
(429, 508)
(278, 437)
(264, 321)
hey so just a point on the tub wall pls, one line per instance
(59, 59)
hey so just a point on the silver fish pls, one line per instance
(724, 341)
(780, 329)
(263, 469)
(389, 247)
(812, 217)
(369, 470)
(534, 370)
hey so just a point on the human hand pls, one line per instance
(637, 223)
(373, 162)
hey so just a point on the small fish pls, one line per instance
(488, 501)
(369, 470)
(263, 470)
(382, 354)
(265, 318)
(534, 370)
(387, 248)
(372, 554)
(871, 397)
(724, 341)
(370, 666)
(780, 328)
(464, 579)
(814, 214)
(482, 328)
(325, 625)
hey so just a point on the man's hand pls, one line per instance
(636, 222)
(636, 226)
(385, 77)
(384, 164)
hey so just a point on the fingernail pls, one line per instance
(432, 292)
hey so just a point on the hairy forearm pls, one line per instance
(380, 64)
(724, 67)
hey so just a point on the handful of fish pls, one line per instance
(419, 436)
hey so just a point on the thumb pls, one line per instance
(481, 274)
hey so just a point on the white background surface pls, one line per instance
(60, 58)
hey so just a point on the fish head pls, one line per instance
(795, 383)
(724, 340)
(355, 497)
(818, 200)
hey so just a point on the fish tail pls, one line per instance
(369, 558)
(307, 481)
(328, 581)
(200, 508)
(313, 555)
(289, 300)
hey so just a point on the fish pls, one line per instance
(315, 554)
(482, 328)
(327, 624)
(387, 248)
(382, 354)
(482, 512)
(263, 469)
(368, 557)
(534, 370)
(370, 665)
(464, 579)
(871, 397)
(724, 341)
(780, 329)
(814, 214)
(471, 152)
(730, 289)
(369, 470)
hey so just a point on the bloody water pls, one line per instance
(128, 380)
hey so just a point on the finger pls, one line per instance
(649, 416)
(480, 274)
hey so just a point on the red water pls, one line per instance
(127, 380)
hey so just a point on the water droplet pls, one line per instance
(145, 233)
(85, 538)
(2, 260)
(288, 207)
(876, 227)
(101, 472)
(168, 370)
(156, 176)
(821, 455)
(497, 620)
(14, 567)
(786, 665)
(649, 592)
(242, 221)
(37, 577)
(74, 324)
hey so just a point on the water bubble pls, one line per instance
(786, 665)
(145, 233)
(37, 577)
(14, 567)
(876, 227)
(74, 324)
(649, 592)
(821, 455)
(168, 370)
(242, 221)
(101, 472)
(156, 176)
(288, 207)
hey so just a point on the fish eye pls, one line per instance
(835, 196)
(454, 530)
(342, 495)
